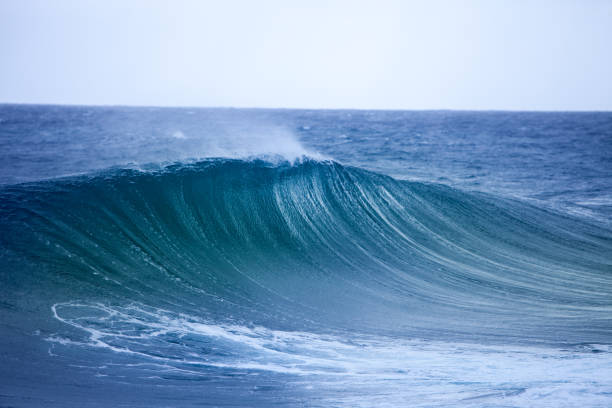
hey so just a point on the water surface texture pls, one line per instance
(233, 257)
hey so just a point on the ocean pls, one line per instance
(189, 257)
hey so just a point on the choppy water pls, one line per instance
(220, 257)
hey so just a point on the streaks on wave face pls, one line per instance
(309, 246)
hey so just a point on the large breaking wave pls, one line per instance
(312, 245)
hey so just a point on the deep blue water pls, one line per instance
(233, 257)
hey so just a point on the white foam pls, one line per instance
(360, 371)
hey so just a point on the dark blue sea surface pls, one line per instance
(248, 257)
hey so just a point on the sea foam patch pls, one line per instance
(350, 370)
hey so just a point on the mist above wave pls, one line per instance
(60, 150)
(255, 142)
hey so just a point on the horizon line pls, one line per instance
(308, 109)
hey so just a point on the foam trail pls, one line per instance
(411, 371)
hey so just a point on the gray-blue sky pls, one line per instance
(544, 55)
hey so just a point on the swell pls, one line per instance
(315, 246)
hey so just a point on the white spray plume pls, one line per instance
(244, 142)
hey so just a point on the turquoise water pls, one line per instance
(204, 257)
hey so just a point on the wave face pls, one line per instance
(218, 269)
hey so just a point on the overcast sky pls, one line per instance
(527, 55)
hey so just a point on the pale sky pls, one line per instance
(525, 55)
